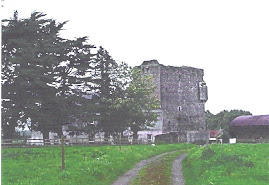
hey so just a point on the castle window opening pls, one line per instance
(179, 108)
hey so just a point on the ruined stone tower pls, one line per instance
(182, 93)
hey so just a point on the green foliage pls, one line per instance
(25, 68)
(222, 120)
(84, 165)
(227, 164)
(139, 102)
(111, 79)
(42, 74)
(49, 81)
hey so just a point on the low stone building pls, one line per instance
(255, 128)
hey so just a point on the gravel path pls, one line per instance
(177, 175)
(126, 178)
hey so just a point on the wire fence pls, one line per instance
(62, 142)
(30, 142)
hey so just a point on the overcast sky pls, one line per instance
(228, 39)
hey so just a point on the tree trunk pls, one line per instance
(45, 136)
(59, 132)
(120, 141)
(135, 135)
(106, 136)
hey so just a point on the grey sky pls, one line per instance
(228, 39)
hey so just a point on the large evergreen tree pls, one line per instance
(43, 75)
(26, 45)
(109, 80)
(54, 81)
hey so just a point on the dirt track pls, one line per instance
(177, 176)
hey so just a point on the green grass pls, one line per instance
(157, 172)
(84, 165)
(236, 164)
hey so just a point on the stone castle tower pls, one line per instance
(182, 93)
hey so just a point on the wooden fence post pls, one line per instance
(120, 141)
(207, 138)
(62, 146)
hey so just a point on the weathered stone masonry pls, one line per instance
(182, 93)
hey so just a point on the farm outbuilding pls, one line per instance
(215, 136)
(255, 128)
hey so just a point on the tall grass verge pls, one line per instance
(236, 164)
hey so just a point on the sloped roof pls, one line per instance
(240, 121)
(214, 133)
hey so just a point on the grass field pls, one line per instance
(236, 164)
(84, 165)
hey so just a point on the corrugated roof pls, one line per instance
(250, 121)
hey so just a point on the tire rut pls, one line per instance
(126, 178)
(177, 173)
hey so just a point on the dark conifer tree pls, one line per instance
(55, 81)
(106, 87)
(44, 77)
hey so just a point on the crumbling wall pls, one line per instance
(153, 68)
(182, 93)
(200, 137)
(181, 97)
